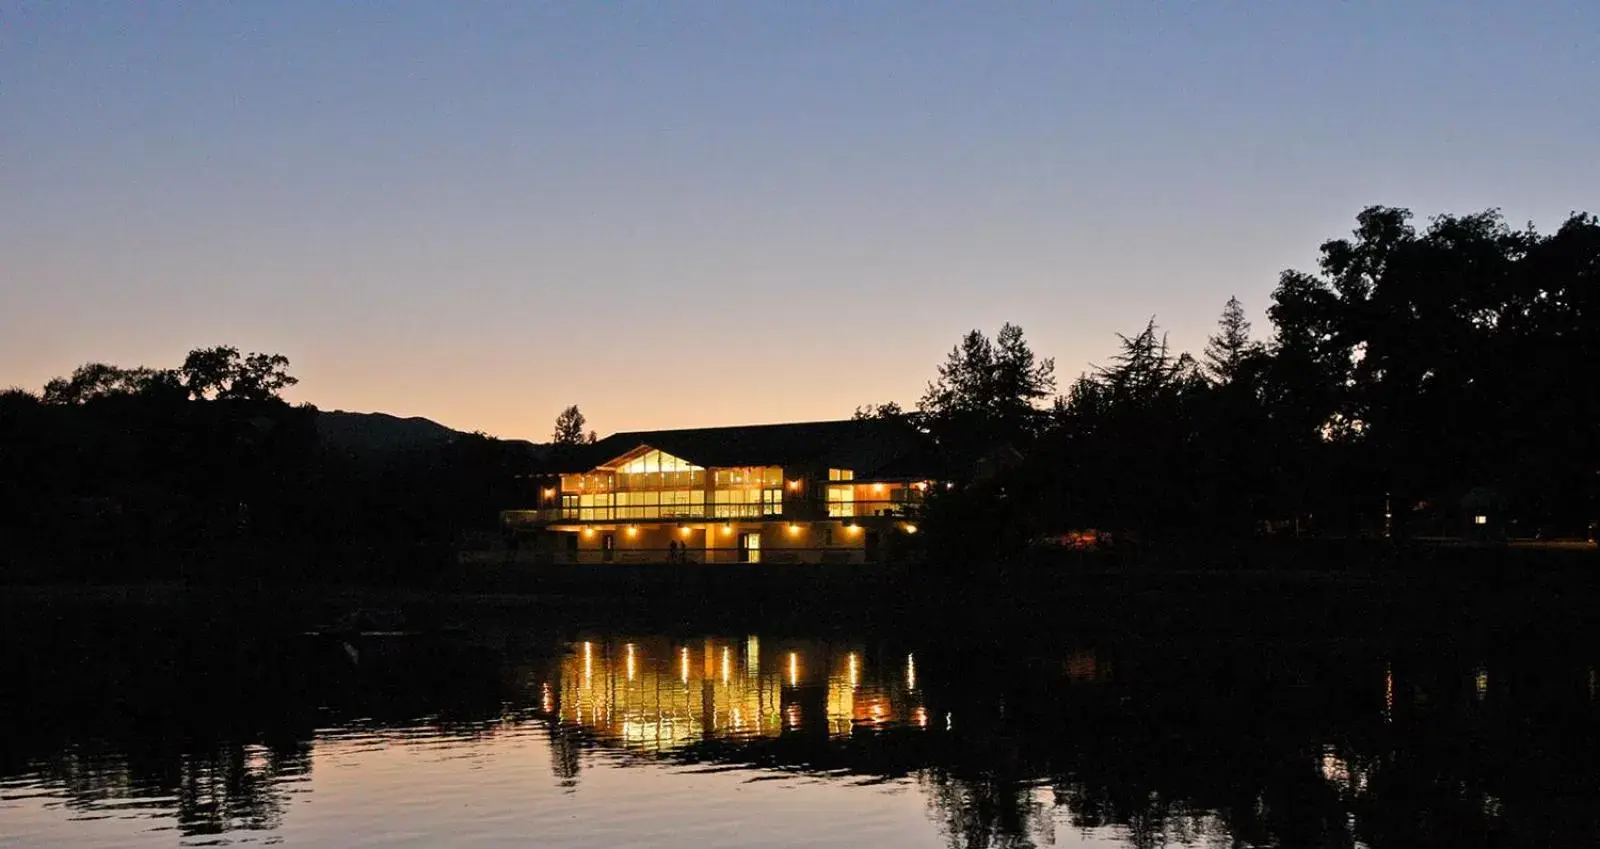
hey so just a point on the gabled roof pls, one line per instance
(863, 445)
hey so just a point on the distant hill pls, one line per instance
(369, 432)
(380, 431)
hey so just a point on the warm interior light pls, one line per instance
(1480, 520)
(910, 528)
(877, 487)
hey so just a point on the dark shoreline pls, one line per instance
(1494, 594)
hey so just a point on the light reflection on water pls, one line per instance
(618, 738)
(651, 695)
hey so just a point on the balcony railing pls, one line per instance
(851, 509)
(669, 511)
(646, 512)
(696, 512)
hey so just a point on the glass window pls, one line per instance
(841, 501)
(654, 469)
(594, 507)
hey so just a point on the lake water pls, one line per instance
(531, 729)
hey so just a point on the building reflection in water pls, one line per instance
(656, 694)
(1146, 742)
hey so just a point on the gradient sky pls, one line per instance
(679, 214)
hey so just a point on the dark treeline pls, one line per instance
(1420, 379)
(204, 469)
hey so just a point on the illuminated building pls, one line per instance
(819, 492)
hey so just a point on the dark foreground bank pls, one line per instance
(1490, 593)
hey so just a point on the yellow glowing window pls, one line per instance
(1480, 520)
(657, 461)
(841, 501)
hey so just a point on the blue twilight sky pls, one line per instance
(686, 213)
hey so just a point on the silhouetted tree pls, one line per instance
(17, 398)
(886, 410)
(1124, 453)
(569, 428)
(987, 393)
(207, 372)
(1228, 349)
(1417, 358)
(221, 373)
(261, 376)
(99, 380)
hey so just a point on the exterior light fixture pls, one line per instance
(588, 532)
(549, 492)
(1480, 520)
(794, 484)
(910, 528)
(793, 528)
(633, 531)
(727, 527)
(683, 530)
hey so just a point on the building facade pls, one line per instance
(818, 492)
